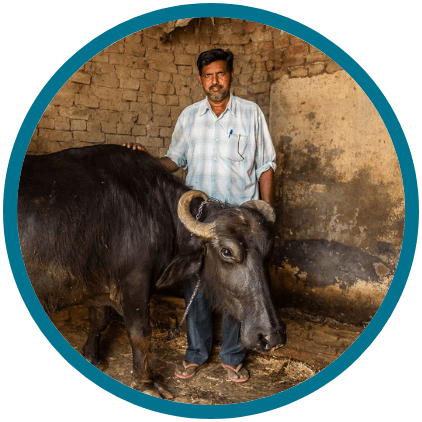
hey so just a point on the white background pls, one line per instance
(38, 37)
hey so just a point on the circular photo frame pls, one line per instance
(409, 238)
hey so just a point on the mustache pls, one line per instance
(216, 86)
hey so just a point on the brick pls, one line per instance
(252, 26)
(160, 110)
(119, 105)
(128, 117)
(261, 35)
(245, 79)
(74, 113)
(119, 139)
(123, 72)
(63, 99)
(153, 131)
(81, 78)
(240, 91)
(129, 95)
(109, 81)
(316, 57)
(55, 135)
(259, 88)
(87, 101)
(184, 70)
(297, 41)
(117, 59)
(117, 47)
(101, 57)
(51, 111)
(90, 137)
(78, 125)
(135, 38)
(135, 49)
(146, 86)
(172, 100)
(299, 72)
(137, 73)
(235, 39)
(158, 99)
(144, 97)
(166, 132)
(183, 90)
(163, 67)
(105, 116)
(152, 142)
(184, 59)
(192, 49)
(149, 42)
(180, 80)
(61, 123)
(282, 42)
(316, 69)
(46, 123)
(332, 67)
(162, 121)
(164, 76)
(140, 107)
(139, 130)
(258, 77)
(185, 101)
(151, 75)
(260, 66)
(129, 83)
(93, 127)
(107, 127)
(296, 50)
(164, 88)
(124, 128)
(159, 56)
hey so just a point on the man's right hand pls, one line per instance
(135, 146)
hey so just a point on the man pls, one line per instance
(224, 143)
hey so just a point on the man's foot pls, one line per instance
(187, 370)
(238, 373)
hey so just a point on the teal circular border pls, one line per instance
(255, 15)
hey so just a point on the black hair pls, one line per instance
(210, 56)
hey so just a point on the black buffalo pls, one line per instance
(103, 225)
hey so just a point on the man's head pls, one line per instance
(216, 73)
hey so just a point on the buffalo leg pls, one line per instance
(136, 316)
(99, 317)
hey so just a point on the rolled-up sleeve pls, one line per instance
(178, 146)
(265, 153)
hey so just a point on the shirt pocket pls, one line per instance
(233, 148)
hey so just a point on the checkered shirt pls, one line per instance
(225, 156)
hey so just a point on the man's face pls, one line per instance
(216, 80)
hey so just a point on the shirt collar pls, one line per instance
(205, 106)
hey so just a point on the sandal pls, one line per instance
(232, 370)
(190, 368)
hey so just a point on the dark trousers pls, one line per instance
(199, 333)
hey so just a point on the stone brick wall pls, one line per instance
(134, 90)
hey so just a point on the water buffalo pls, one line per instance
(102, 225)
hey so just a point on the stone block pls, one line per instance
(162, 121)
(135, 49)
(78, 125)
(172, 100)
(163, 67)
(61, 123)
(119, 139)
(164, 88)
(124, 128)
(109, 81)
(75, 112)
(332, 67)
(316, 57)
(184, 70)
(101, 57)
(184, 59)
(298, 72)
(81, 78)
(107, 127)
(46, 123)
(139, 130)
(63, 99)
(129, 95)
(259, 88)
(159, 56)
(164, 76)
(89, 137)
(129, 83)
(87, 101)
(117, 47)
(158, 99)
(55, 135)
(316, 69)
(93, 127)
(159, 110)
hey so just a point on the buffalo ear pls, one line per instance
(263, 207)
(186, 264)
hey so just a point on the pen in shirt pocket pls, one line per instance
(231, 132)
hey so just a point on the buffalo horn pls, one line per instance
(195, 227)
(263, 207)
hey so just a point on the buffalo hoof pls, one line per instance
(152, 389)
(100, 364)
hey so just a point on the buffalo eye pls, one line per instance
(226, 253)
